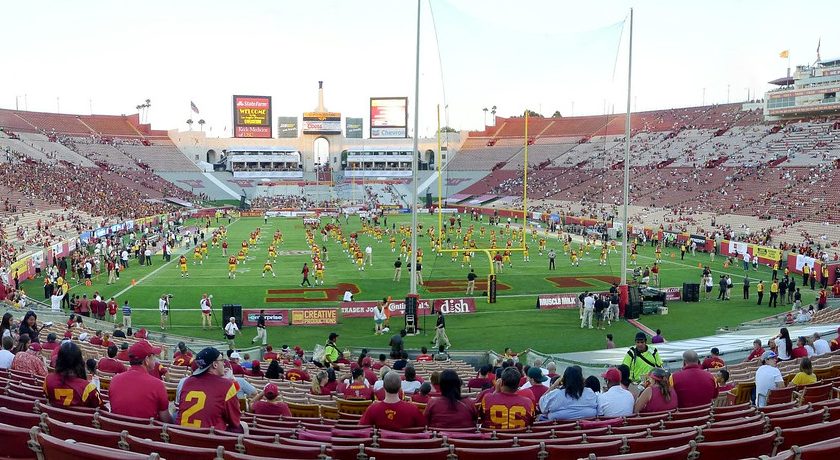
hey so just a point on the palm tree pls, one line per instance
(189, 123)
(485, 116)
(201, 124)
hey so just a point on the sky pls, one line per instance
(108, 56)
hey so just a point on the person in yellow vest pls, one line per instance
(806, 272)
(774, 294)
(760, 289)
(775, 270)
(824, 277)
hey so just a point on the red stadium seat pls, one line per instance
(815, 393)
(486, 443)
(770, 408)
(346, 452)
(77, 415)
(825, 450)
(19, 419)
(583, 450)
(636, 428)
(675, 453)
(553, 441)
(691, 412)
(809, 434)
(237, 456)
(152, 432)
(440, 453)
(659, 443)
(833, 413)
(729, 415)
(733, 432)
(646, 420)
(738, 421)
(430, 443)
(23, 405)
(79, 433)
(209, 441)
(732, 408)
(742, 447)
(15, 441)
(518, 453)
(166, 450)
(53, 448)
(696, 421)
(799, 420)
(266, 449)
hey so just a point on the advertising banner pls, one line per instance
(252, 116)
(767, 253)
(396, 308)
(353, 128)
(273, 317)
(560, 301)
(287, 127)
(673, 293)
(388, 117)
(456, 306)
(314, 316)
(321, 123)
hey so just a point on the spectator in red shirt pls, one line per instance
(358, 388)
(269, 354)
(450, 410)
(483, 381)
(297, 374)
(381, 363)
(835, 342)
(96, 339)
(393, 413)
(504, 409)
(109, 364)
(234, 357)
(182, 357)
(271, 405)
(722, 378)
(137, 393)
(757, 350)
(714, 361)
(207, 398)
(68, 385)
(141, 334)
(536, 383)
(255, 369)
(422, 396)
(800, 351)
(51, 343)
(370, 376)
(693, 385)
(123, 353)
(424, 355)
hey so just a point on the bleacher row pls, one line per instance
(29, 425)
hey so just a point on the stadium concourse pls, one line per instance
(716, 172)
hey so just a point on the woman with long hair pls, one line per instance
(6, 327)
(805, 375)
(659, 396)
(274, 371)
(319, 384)
(29, 326)
(450, 409)
(26, 360)
(784, 344)
(568, 398)
(68, 384)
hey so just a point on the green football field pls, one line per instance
(513, 321)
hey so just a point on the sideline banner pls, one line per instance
(365, 309)
(560, 301)
(455, 306)
(314, 316)
(767, 253)
(273, 317)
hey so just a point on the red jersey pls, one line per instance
(111, 365)
(441, 413)
(755, 353)
(270, 356)
(358, 391)
(232, 260)
(208, 400)
(506, 411)
(137, 394)
(393, 416)
(424, 357)
(713, 362)
(158, 371)
(70, 391)
(271, 408)
(112, 307)
(297, 375)
(180, 359)
(95, 340)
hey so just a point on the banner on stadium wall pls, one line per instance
(21, 267)
(273, 317)
(365, 309)
(767, 253)
(287, 127)
(673, 293)
(559, 301)
(699, 239)
(314, 316)
(737, 247)
(353, 128)
(802, 261)
(251, 213)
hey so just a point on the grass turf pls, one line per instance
(512, 321)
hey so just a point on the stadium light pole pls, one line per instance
(627, 158)
(413, 268)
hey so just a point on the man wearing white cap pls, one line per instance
(767, 377)
(231, 329)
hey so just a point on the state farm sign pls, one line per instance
(565, 301)
(455, 306)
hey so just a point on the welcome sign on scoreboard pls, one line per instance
(388, 117)
(252, 116)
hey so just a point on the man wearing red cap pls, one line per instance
(137, 393)
(297, 374)
(616, 401)
(271, 405)
(207, 398)
(370, 376)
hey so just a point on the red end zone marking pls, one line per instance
(580, 282)
(334, 293)
(459, 286)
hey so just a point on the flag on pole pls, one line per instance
(784, 54)
(193, 107)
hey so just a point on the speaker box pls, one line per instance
(691, 292)
(234, 310)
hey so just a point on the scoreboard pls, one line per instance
(252, 116)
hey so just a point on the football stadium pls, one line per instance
(315, 263)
